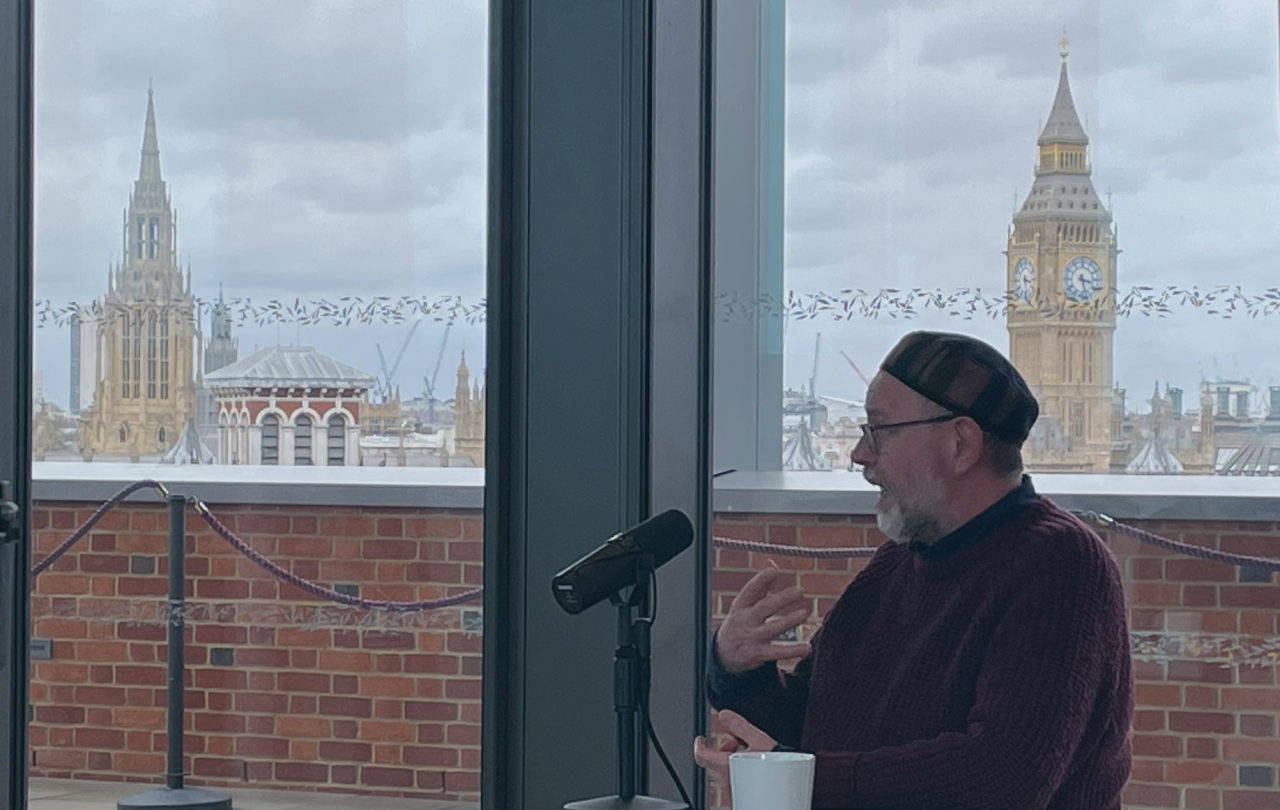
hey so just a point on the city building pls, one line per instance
(83, 326)
(289, 406)
(468, 416)
(1061, 274)
(145, 338)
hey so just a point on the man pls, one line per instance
(981, 659)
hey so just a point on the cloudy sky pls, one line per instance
(322, 149)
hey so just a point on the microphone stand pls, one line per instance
(630, 693)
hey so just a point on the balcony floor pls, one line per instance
(79, 794)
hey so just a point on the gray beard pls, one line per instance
(908, 527)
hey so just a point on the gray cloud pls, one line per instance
(338, 148)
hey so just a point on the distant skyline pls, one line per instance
(348, 158)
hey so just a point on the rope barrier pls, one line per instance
(320, 591)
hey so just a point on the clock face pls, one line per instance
(1024, 280)
(1082, 279)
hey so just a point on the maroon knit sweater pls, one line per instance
(989, 671)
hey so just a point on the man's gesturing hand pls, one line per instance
(759, 614)
(743, 737)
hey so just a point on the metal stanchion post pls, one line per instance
(174, 794)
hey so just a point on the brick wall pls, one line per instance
(319, 698)
(315, 694)
(1206, 648)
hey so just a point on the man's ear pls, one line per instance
(968, 445)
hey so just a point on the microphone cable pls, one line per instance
(644, 709)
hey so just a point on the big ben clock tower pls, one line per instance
(1061, 274)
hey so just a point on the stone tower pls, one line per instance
(146, 335)
(1061, 274)
(222, 350)
(468, 416)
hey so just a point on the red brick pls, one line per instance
(1150, 694)
(99, 738)
(345, 526)
(387, 640)
(1183, 670)
(386, 777)
(1257, 676)
(346, 751)
(461, 781)
(1200, 595)
(1250, 698)
(345, 707)
(1147, 770)
(301, 772)
(434, 572)
(1200, 772)
(262, 523)
(390, 527)
(1256, 596)
(427, 710)
(1250, 800)
(1253, 545)
(1145, 619)
(430, 780)
(466, 551)
(431, 756)
(1193, 570)
(1156, 745)
(1257, 725)
(209, 767)
(1146, 568)
(302, 682)
(1200, 697)
(1252, 750)
(257, 657)
(64, 714)
(1202, 748)
(222, 589)
(460, 734)
(266, 703)
(262, 747)
(104, 563)
(1202, 799)
(100, 696)
(463, 690)
(1151, 795)
(1148, 720)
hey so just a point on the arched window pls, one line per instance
(164, 356)
(302, 442)
(160, 435)
(152, 345)
(271, 439)
(153, 246)
(337, 441)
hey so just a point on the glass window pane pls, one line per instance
(1088, 202)
(289, 201)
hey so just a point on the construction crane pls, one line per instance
(389, 374)
(430, 382)
(857, 370)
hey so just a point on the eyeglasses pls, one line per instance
(869, 431)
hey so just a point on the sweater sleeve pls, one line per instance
(770, 699)
(1051, 659)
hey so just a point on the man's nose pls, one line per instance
(861, 452)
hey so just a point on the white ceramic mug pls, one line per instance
(771, 780)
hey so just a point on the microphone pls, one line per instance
(612, 566)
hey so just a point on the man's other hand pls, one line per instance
(759, 614)
(744, 737)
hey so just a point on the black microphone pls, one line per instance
(612, 566)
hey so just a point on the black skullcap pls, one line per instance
(967, 377)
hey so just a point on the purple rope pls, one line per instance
(847, 552)
(1142, 536)
(319, 590)
(93, 521)
(793, 551)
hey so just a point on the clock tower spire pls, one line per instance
(1061, 277)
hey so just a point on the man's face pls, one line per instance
(905, 462)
